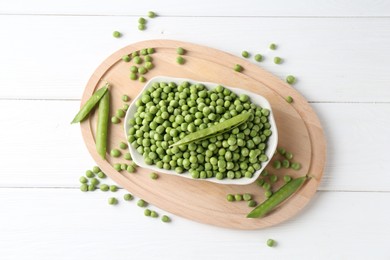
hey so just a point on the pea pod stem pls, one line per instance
(278, 197)
(102, 125)
(213, 130)
(90, 104)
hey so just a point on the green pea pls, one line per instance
(123, 145)
(142, 70)
(112, 201)
(258, 57)
(154, 176)
(95, 169)
(142, 79)
(165, 219)
(126, 58)
(148, 65)
(271, 242)
(260, 182)
(117, 167)
(238, 197)
(147, 212)
(286, 178)
(289, 155)
(120, 113)
(101, 175)
(91, 187)
(142, 20)
(125, 107)
(154, 214)
(116, 34)
(281, 151)
(141, 203)
(289, 99)
(128, 197)
(144, 52)
(127, 156)
(115, 120)
(277, 164)
(84, 187)
(83, 179)
(273, 46)
(266, 186)
(252, 203)
(290, 79)
(273, 178)
(89, 174)
(278, 60)
(94, 181)
(238, 68)
(286, 163)
(245, 54)
(230, 197)
(104, 187)
(115, 153)
(113, 188)
(134, 69)
(180, 51)
(180, 60)
(130, 168)
(295, 166)
(247, 197)
(268, 193)
(125, 98)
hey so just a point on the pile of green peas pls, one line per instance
(167, 112)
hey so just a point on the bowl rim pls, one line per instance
(255, 98)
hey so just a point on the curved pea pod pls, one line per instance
(90, 104)
(214, 130)
(278, 197)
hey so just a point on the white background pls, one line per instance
(339, 51)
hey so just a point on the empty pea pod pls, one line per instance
(213, 130)
(279, 196)
(90, 104)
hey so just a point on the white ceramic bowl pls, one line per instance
(256, 99)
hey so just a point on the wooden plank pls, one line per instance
(359, 8)
(329, 56)
(41, 148)
(68, 224)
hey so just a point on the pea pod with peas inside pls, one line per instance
(278, 197)
(90, 104)
(214, 130)
(102, 125)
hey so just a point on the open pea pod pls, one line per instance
(214, 130)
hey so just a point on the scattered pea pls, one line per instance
(115, 153)
(230, 197)
(268, 193)
(142, 70)
(137, 60)
(165, 219)
(94, 181)
(258, 57)
(104, 187)
(113, 188)
(112, 201)
(287, 178)
(141, 203)
(180, 51)
(252, 203)
(84, 187)
(154, 176)
(277, 164)
(148, 58)
(142, 79)
(89, 174)
(125, 107)
(147, 212)
(260, 182)
(142, 20)
(127, 156)
(148, 65)
(123, 166)
(133, 76)
(91, 187)
(278, 60)
(238, 68)
(151, 50)
(115, 120)
(290, 79)
(95, 169)
(245, 54)
(126, 58)
(134, 69)
(238, 197)
(128, 197)
(271, 243)
(151, 14)
(281, 151)
(130, 168)
(116, 34)
(273, 46)
(266, 186)
(83, 179)
(117, 167)
(289, 155)
(273, 178)
(247, 197)
(296, 166)
(154, 214)
(101, 175)
(120, 113)
(180, 60)
(125, 98)
(144, 52)
(123, 145)
(289, 99)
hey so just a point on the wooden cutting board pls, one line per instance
(298, 127)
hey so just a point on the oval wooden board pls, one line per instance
(299, 132)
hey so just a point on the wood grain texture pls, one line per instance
(298, 126)
(328, 56)
(68, 224)
(276, 8)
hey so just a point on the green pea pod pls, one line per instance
(102, 125)
(278, 197)
(90, 104)
(214, 130)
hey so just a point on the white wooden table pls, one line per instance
(339, 50)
